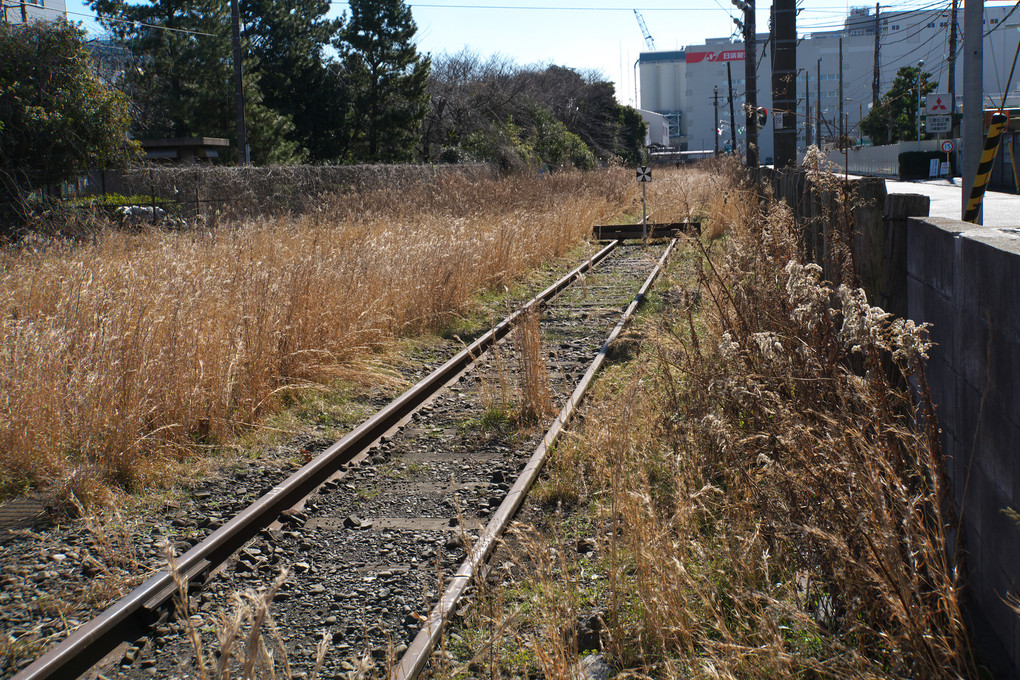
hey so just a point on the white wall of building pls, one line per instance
(658, 128)
(34, 10)
(906, 37)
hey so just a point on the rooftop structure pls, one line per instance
(680, 84)
(19, 11)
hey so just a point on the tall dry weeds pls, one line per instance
(121, 354)
(771, 499)
(536, 392)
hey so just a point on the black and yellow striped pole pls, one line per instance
(977, 192)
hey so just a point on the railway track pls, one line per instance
(381, 531)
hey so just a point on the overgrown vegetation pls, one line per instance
(759, 494)
(122, 353)
(57, 119)
(526, 117)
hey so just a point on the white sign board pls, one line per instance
(644, 174)
(944, 169)
(937, 104)
(936, 124)
(933, 168)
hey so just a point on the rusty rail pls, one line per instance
(130, 617)
(420, 649)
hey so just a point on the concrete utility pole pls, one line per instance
(807, 108)
(733, 120)
(876, 79)
(953, 28)
(973, 97)
(750, 81)
(818, 103)
(784, 83)
(715, 122)
(920, 66)
(839, 123)
(242, 134)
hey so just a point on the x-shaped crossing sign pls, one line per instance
(644, 174)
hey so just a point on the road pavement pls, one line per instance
(1000, 209)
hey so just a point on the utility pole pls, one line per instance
(876, 80)
(784, 83)
(920, 65)
(750, 81)
(24, 12)
(973, 97)
(715, 121)
(733, 120)
(953, 28)
(242, 134)
(807, 108)
(818, 103)
(839, 125)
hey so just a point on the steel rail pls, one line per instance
(417, 654)
(132, 615)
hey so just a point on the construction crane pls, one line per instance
(644, 31)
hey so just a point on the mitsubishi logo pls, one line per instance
(939, 106)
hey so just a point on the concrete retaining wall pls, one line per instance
(965, 280)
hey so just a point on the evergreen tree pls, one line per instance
(182, 81)
(58, 119)
(288, 40)
(896, 115)
(386, 81)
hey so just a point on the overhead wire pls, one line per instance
(157, 27)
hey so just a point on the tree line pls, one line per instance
(320, 90)
(355, 89)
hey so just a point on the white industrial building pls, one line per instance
(16, 11)
(681, 84)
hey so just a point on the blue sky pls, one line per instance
(583, 34)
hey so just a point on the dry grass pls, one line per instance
(536, 392)
(768, 500)
(248, 641)
(120, 355)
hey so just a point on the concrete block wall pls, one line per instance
(964, 279)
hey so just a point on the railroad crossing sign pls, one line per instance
(644, 174)
(947, 146)
(937, 104)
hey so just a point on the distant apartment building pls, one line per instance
(681, 84)
(17, 11)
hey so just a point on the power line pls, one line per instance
(115, 20)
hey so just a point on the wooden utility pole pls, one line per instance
(750, 80)
(242, 134)
(876, 78)
(24, 12)
(733, 120)
(784, 83)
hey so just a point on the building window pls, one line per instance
(994, 21)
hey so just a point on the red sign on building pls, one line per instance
(725, 55)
